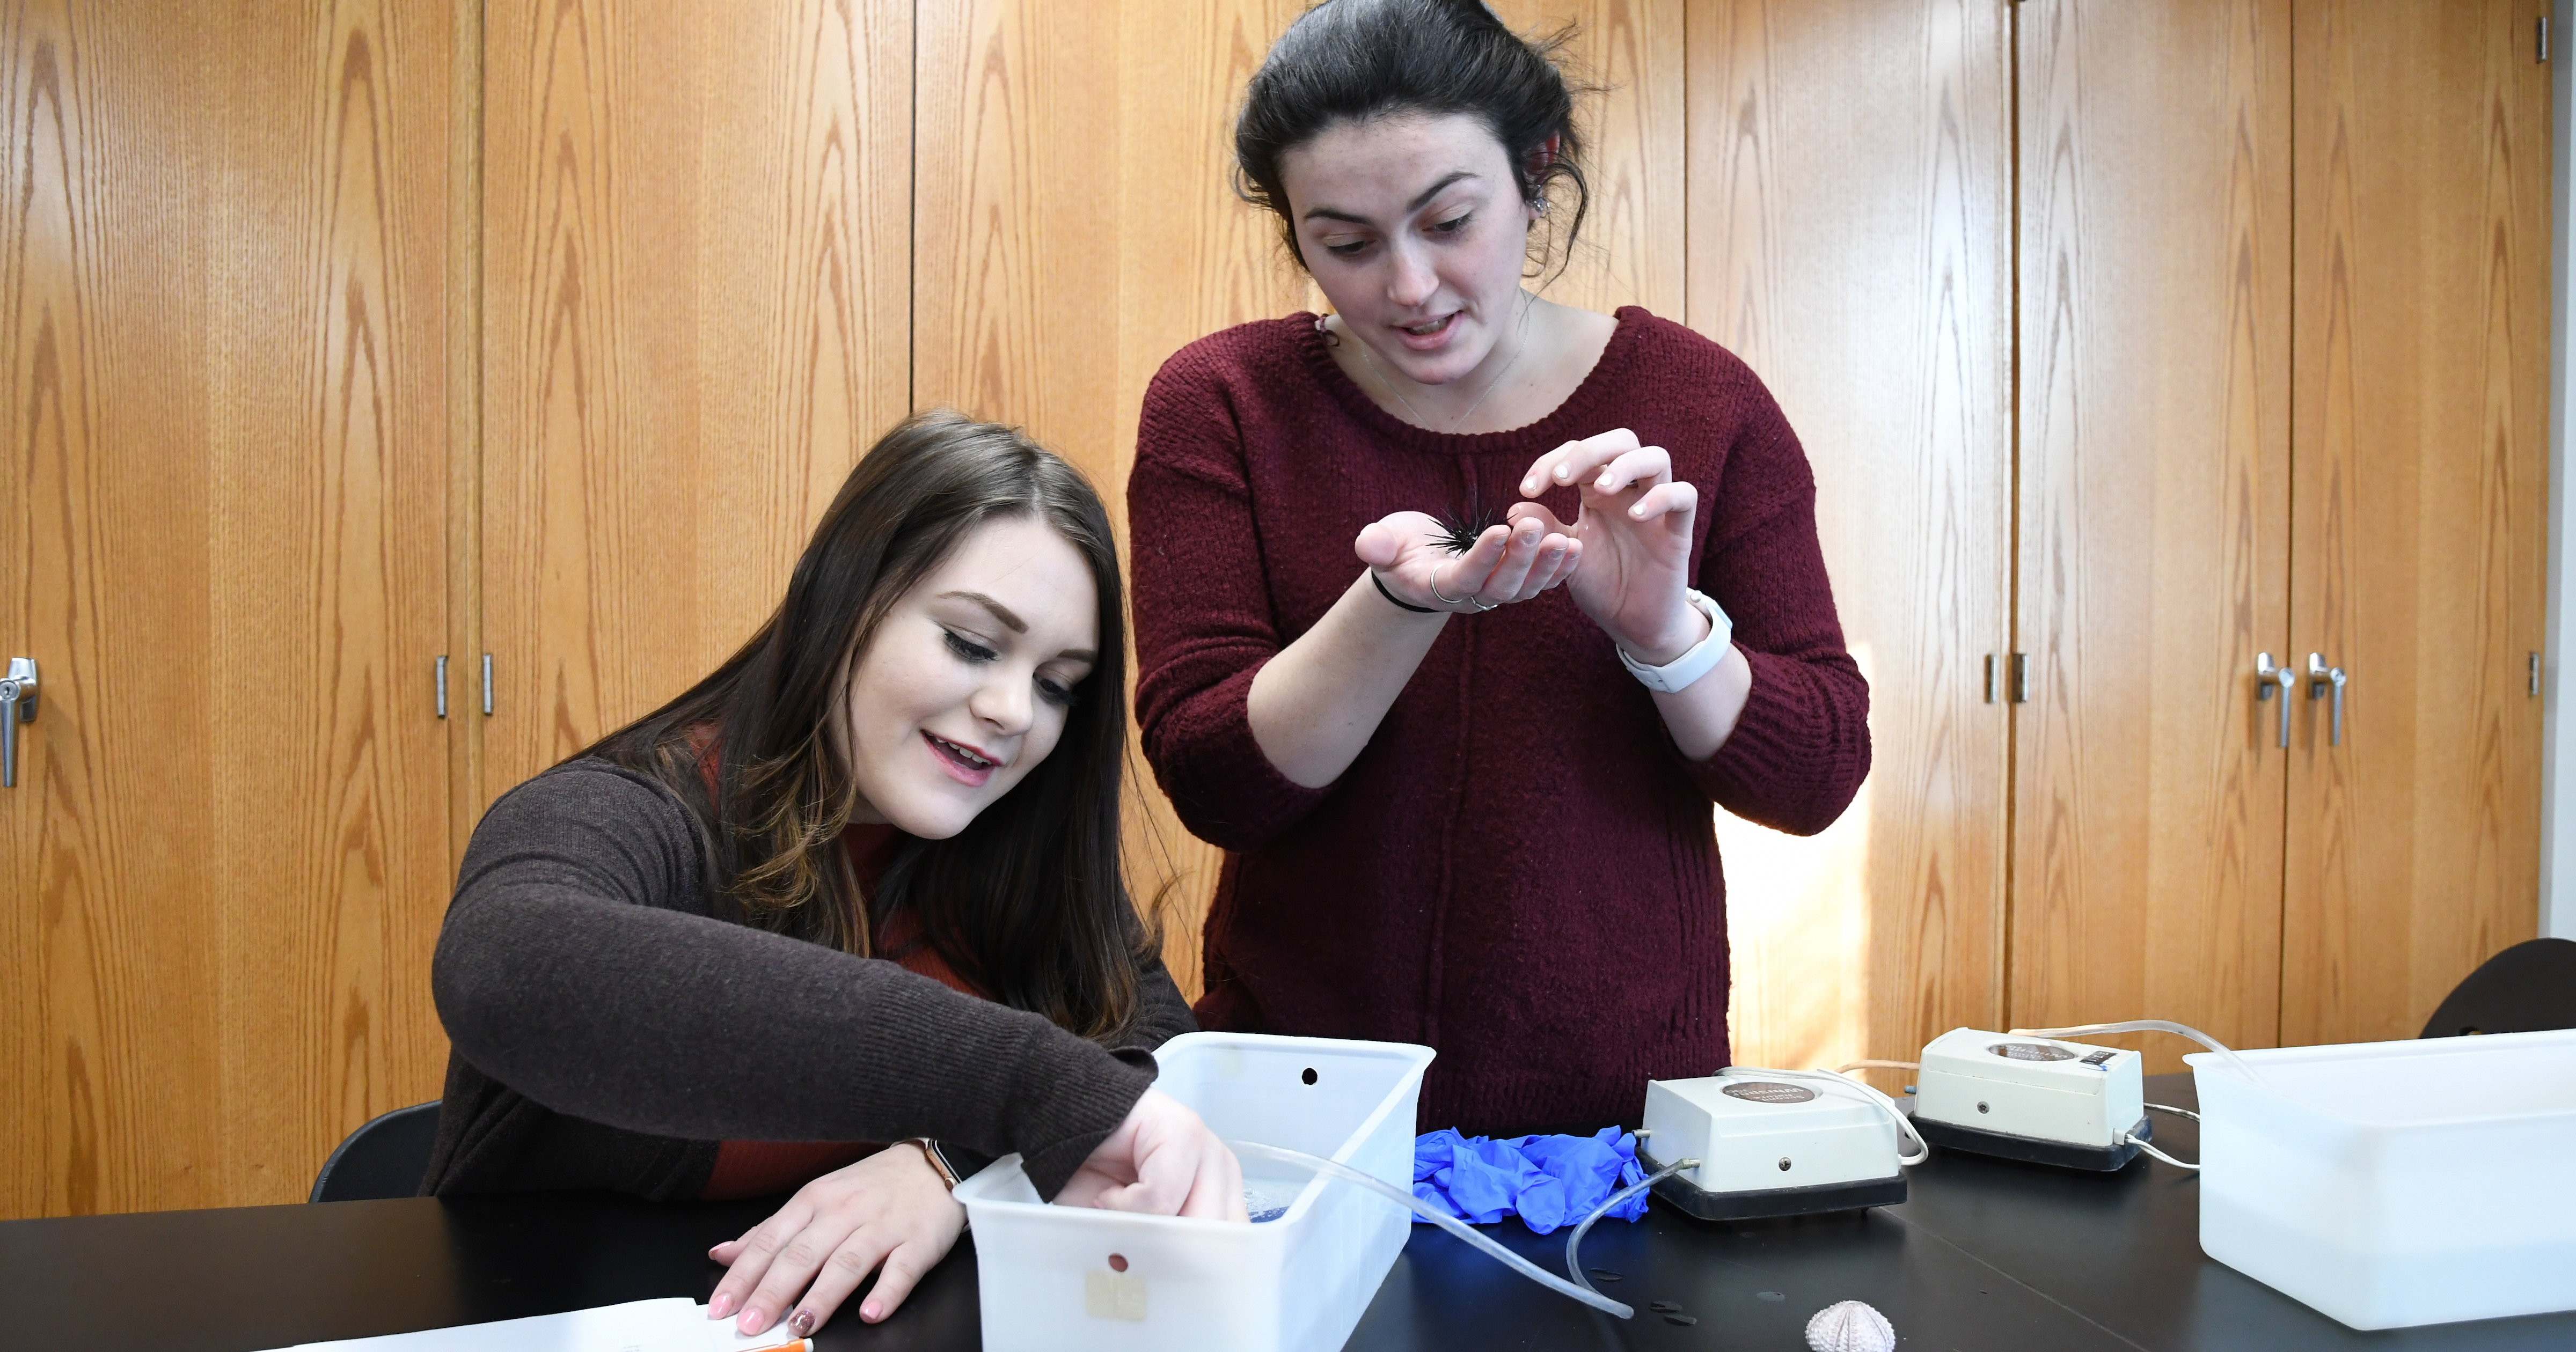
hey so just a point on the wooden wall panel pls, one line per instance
(2154, 440)
(2422, 330)
(1192, 260)
(1631, 250)
(225, 262)
(1074, 227)
(1850, 238)
(695, 233)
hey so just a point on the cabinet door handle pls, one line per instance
(2322, 681)
(2269, 681)
(17, 705)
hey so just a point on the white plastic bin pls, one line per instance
(1076, 1278)
(2388, 1184)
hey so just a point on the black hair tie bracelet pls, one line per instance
(1397, 601)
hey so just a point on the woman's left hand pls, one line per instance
(1635, 530)
(891, 1208)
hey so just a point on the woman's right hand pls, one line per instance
(1509, 563)
(891, 1210)
(1161, 1160)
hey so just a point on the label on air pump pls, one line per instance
(2030, 1051)
(1768, 1091)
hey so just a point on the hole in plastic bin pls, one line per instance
(1981, 1107)
(1118, 1262)
(1309, 1076)
(1784, 1164)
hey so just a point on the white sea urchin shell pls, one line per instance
(1850, 1326)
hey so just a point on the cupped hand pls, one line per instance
(1634, 529)
(1508, 563)
(891, 1208)
(1161, 1160)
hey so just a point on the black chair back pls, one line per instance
(2528, 988)
(385, 1158)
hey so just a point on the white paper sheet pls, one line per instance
(674, 1324)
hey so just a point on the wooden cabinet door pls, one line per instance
(2153, 536)
(223, 276)
(1850, 238)
(696, 296)
(2421, 334)
(1074, 226)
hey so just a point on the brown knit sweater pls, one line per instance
(609, 1030)
(1520, 870)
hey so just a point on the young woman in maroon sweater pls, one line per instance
(1464, 793)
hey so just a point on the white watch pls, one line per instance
(1690, 666)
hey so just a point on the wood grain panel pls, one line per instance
(1034, 305)
(1850, 238)
(1039, 302)
(2422, 327)
(695, 228)
(1631, 251)
(225, 265)
(1192, 260)
(2154, 345)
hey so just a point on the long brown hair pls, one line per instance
(1027, 902)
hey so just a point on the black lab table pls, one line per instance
(1983, 1255)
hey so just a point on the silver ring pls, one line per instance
(1476, 604)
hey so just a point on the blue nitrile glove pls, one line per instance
(1548, 1181)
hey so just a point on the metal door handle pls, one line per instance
(17, 705)
(2270, 680)
(2323, 679)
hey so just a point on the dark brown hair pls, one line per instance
(1027, 902)
(1355, 60)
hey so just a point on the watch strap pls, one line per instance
(938, 1162)
(1703, 657)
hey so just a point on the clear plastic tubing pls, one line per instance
(2150, 1026)
(1475, 1237)
(1574, 1242)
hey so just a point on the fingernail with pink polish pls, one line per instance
(753, 1321)
(871, 1312)
(721, 1306)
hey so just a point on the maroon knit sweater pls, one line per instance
(1520, 869)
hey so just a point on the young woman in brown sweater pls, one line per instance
(1465, 787)
(859, 885)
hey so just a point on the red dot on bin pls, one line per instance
(1118, 1262)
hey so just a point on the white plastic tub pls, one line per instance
(1076, 1278)
(2388, 1184)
